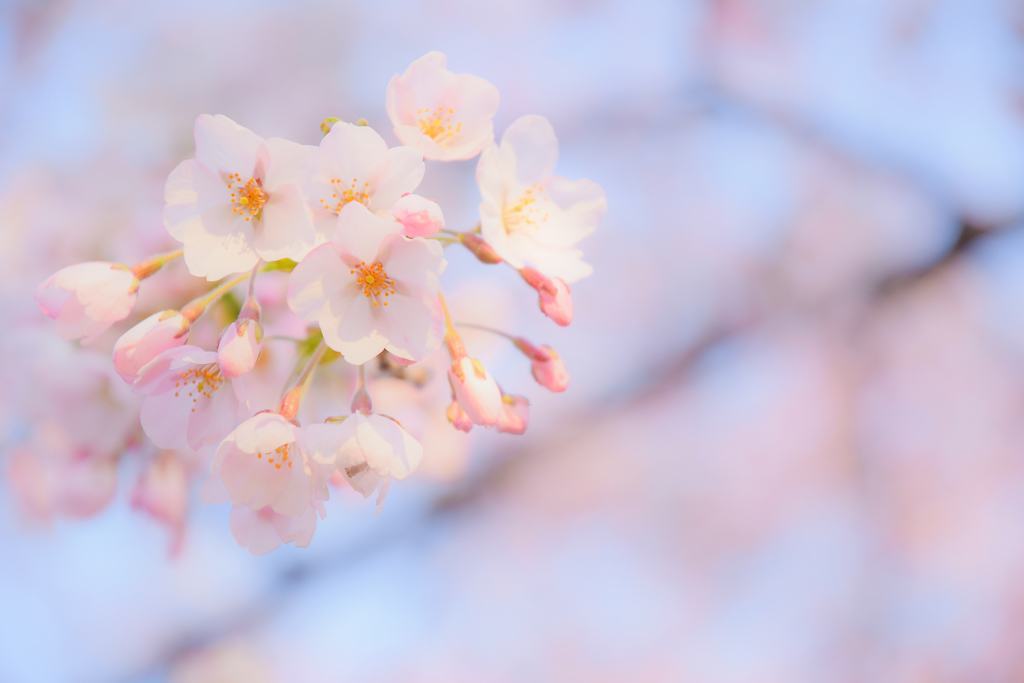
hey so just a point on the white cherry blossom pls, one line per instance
(239, 200)
(370, 288)
(528, 214)
(446, 116)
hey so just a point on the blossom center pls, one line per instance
(343, 195)
(200, 380)
(374, 281)
(437, 123)
(247, 197)
(278, 457)
(525, 213)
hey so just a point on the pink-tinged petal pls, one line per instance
(214, 417)
(567, 264)
(556, 305)
(403, 453)
(164, 418)
(264, 432)
(51, 299)
(251, 480)
(162, 493)
(532, 143)
(219, 244)
(360, 233)
(334, 443)
(296, 495)
(254, 530)
(420, 217)
(288, 163)
(363, 480)
(297, 529)
(574, 209)
(493, 230)
(239, 347)
(410, 321)
(165, 370)
(285, 230)
(414, 264)
(191, 190)
(86, 486)
(351, 153)
(223, 145)
(355, 328)
(319, 277)
(405, 171)
(495, 174)
(476, 391)
(111, 297)
(87, 298)
(144, 342)
(422, 81)
(73, 323)
(458, 417)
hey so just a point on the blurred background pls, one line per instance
(793, 447)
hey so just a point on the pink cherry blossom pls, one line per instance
(87, 298)
(63, 481)
(189, 401)
(147, 340)
(515, 414)
(549, 369)
(458, 417)
(263, 530)
(162, 492)
(239, 347)
(420, 217)
(263, 463)
(528, 214)
(444, 115)
(355, 165)
(371, 289)
(555, 300)
(239, 200)
(476, 391)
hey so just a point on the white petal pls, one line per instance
(223, 145)
(532, 142)
(285, 230)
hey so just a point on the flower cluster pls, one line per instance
(364, 255)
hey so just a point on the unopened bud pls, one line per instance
(239, 347)
(147, 340)
(479, 247)
(549, 370)
(476, 391)
(515, 415)
(457, 416)
(555, 301)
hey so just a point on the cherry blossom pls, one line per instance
(476, 391)
(528, 214)
(446, 116)
(515, 414)
(239, 347)
(147, 340)
(162, 492)
(239, 200)
(355, 165)
(360, 440)
(420, 217)
(263, 463)
(188, 400)
(548, 368)
(371, 289)
(87, 298)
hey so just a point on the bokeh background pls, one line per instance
(793, 447)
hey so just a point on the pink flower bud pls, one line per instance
(240, 347)
(515, 414)
(480, 248)
(555, 301)
(420, 217)
(476, 391)
(87, 298)
(147, 340)
(549, 370)
(457, 416)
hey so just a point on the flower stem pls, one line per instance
(451, 336)
(144, 269)
(293, 397)
(195, 308)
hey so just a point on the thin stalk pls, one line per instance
(144, 269)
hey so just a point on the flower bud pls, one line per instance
(555, 301)
(515, 414)
(457, 416)
(480, 248)
(419, 216)
(475, 390)
(87, 298)
(147, 340)
(240, 347)
(549, 370)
